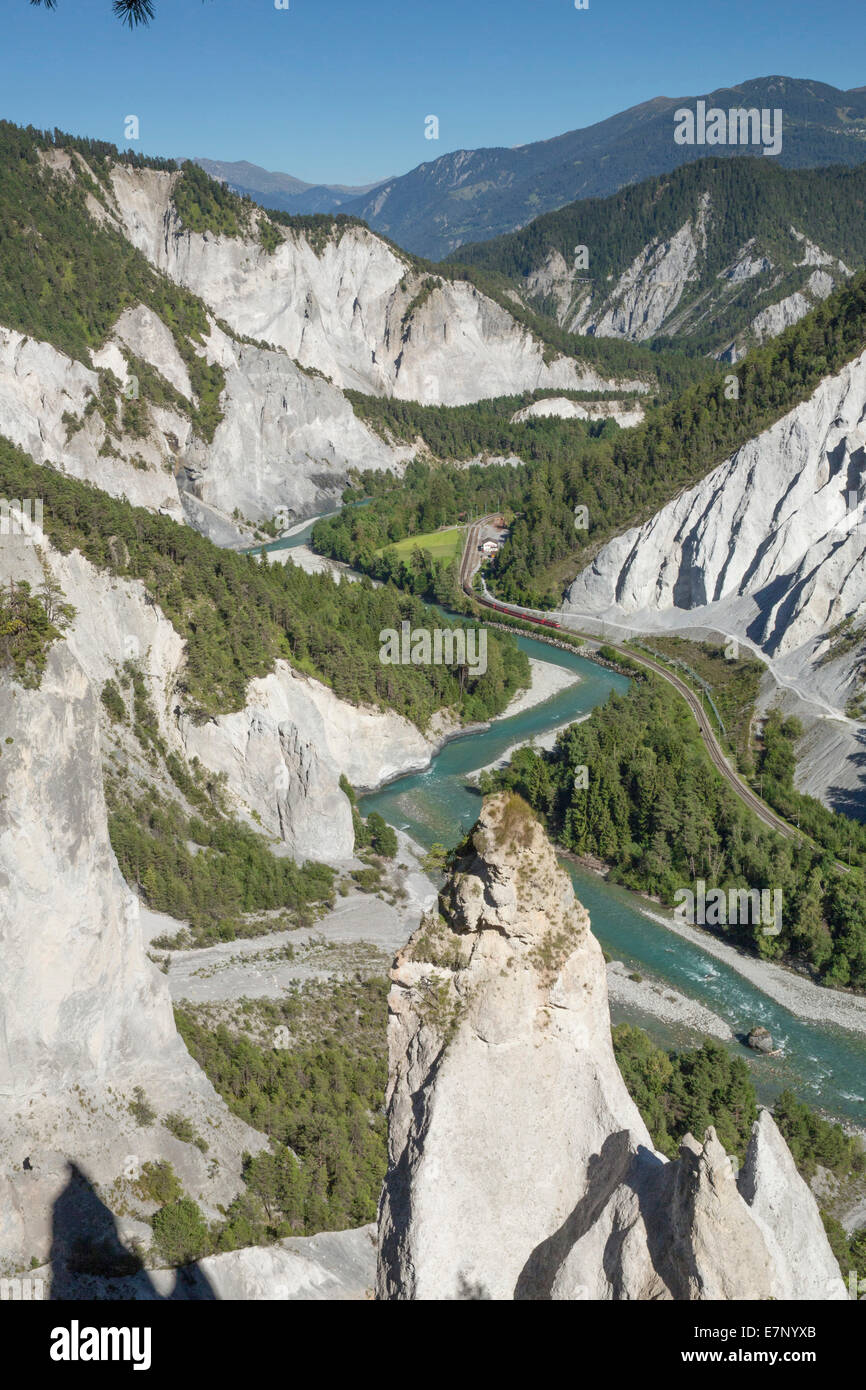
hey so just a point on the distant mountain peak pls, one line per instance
(274, 189)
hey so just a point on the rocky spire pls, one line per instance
(503, 1083)
(519, 1166)
(782, 1205)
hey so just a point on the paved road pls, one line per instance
(469, 565)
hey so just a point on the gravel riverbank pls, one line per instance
(800, 996)
(633, 991)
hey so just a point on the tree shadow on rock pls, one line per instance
(89, 1260)
(617, 1164)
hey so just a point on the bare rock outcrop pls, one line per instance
(768, 549)
(333, 1267)
(284, 752)
(503, 1081)
(673, 284)
(44, 400)
(782, 1205)
(519, 1166)
(350, 305)
(85, 1017)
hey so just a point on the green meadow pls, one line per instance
(442, 545)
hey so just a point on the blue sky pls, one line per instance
(337, 92)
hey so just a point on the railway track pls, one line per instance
(468, 566)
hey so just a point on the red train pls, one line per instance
(512, 613)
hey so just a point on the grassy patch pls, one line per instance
(442, 545)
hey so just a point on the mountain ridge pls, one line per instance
(714, 255)
(284, 192)
(472, 195)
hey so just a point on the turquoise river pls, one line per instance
(825, 1065)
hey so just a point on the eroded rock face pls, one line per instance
(503, 1081)
(84, 1015)
(296, 433)
(716, 1251)
(519, 1167)
(353, 307)
(782, 1205)
(673, 286)
(768, 547)
(626, 414)
(648, 292)
(284, 753)
(39, 386)
(77, 996)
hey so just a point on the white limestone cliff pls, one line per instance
(283, 754)
(295, 325)
(353, 307)
(773, 320)
(39, 385)
(287, 438)
(626, 413)
(671, 286)
(69, 923)
(649, 290)
(84, 1016)
(769, 548)
(519, 1167)
(780, 1202)
(285, 751)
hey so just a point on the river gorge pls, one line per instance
(824, 1064)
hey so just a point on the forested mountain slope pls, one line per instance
(714, 256)
(121, 377)
(471, 195)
